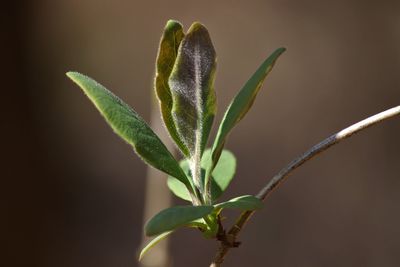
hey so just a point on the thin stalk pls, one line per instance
(207, 180)
(286, 171)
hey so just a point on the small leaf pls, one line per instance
(177, 187)
(242, 102)
(246, 202)
(172, 218)
(167, 52)
(198, 224)
(153, 242)
(130, 127)
(222, 175)
(192, 88)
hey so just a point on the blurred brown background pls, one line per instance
(74, 192)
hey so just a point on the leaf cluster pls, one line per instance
(184, 85)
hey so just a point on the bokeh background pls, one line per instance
(74, 192)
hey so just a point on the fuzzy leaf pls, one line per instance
(153, 242)
(172, 218)
(192, 88)
(246, 202)
(167, 52)
(242, 102)
(222, 175)
(130, 127)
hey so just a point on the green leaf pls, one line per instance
(130, 127)
(177, 187)
(198, 224)
(172, 218)
(246, 202)
(153, 242)
(222, 175)
(192, 88)
(167, 52)
(242, 102)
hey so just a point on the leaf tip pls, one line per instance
(172, 26)
(197, 27)
(74, 75)
(283, 49)
(280, 50)
(70, 74)
(152, 244)
(141, 254)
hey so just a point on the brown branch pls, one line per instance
(286, 171)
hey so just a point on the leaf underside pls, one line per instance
(167, 53)
(153, 243)
(130, 126)
(192, 88)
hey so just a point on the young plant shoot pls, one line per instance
(184, 85)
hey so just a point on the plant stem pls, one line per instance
(286, 171)
(207, 183)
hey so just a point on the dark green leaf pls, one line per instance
(246, 202)
(172, 218)
(192, 88)
(153, 242)
(167, 52)
(221, 177)
(130, 127)
(242, 102)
